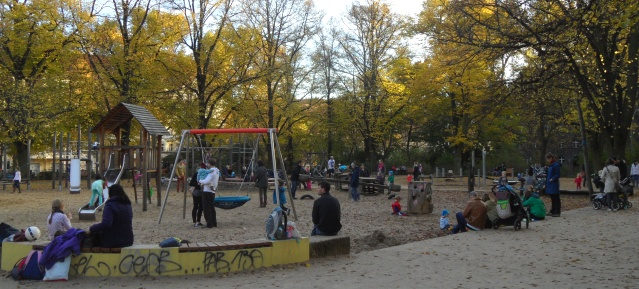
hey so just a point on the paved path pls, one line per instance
(581, 249)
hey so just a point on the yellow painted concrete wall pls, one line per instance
(155, 261)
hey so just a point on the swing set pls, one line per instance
(232, 202)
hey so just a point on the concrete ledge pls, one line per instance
(151, 260)
(324, 246)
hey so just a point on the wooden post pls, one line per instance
(28, 164)
(137, 165)
(79, 142)
(101, 152)
(158, 170)
(55, 136)
(68, 160)
(89, 163)
(60, 163)
(145, 177)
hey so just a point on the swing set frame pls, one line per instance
(276, 155)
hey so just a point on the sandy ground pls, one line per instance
(581, 249)
(360, 220)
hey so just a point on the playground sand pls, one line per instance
(368, 222)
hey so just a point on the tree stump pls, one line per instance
(420, 196)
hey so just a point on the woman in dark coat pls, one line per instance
(261, 182)
(552, 184)
(116, 229)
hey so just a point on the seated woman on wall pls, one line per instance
(116, 229)
(58, 222)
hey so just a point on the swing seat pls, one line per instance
(228, 203)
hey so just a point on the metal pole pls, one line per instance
(472, 162)
(2, 159)
(483, 165)
(188, 147)
(271, 135)
(168, 187)
(279, 151)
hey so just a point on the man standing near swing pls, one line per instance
(209, 187)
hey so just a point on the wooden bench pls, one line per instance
(372, 189)
(188, 247)
(9, 183)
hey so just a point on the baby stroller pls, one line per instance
(600, 200)
(510, 208)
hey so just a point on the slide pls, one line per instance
(88, 213)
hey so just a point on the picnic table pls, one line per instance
(370, 186)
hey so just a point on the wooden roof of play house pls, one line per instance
(123, 113)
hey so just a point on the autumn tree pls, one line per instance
(221, 56)
(369, 39)
(35, 45)
(285, 27)
(122, 40)
(596, 42)
(325, 60)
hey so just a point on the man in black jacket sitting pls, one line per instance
(326, 213)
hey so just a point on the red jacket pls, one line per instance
(397, 207)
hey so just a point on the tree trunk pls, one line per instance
(408, 139)
(542, 140)
(329, 112)
(289, 151)
(20, 158)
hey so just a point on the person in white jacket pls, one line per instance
(634, 172)
(610, 176)
(17, 178)
(209, 187)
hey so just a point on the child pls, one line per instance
(391, 177)
(409, 178)
(535, 206)
(444, 224)
(202, 172)
(578, 180)
(397, 207)
(97, 188)
(503, 180)
(59, 222)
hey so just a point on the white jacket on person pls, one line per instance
(610, 176)
(209, 184)
(634, 169)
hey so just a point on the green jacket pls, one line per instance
(491, 212)
(537, 207)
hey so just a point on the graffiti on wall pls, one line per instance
(161, 262)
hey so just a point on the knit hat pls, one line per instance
(444, 213)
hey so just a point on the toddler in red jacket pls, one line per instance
(397, 207)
